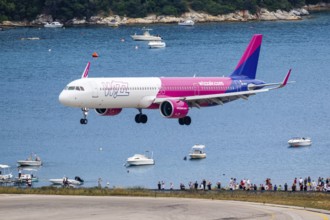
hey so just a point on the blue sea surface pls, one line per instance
(244, 139)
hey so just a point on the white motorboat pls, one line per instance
(113, 23)
(54, 24)
(5, 173)
(187, 22)
(30, 161)
(146, 36)
(300, 141)
(156, 44)
(27, 174)
(66, 181)
(140, 159)
(197, 152)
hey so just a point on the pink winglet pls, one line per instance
(286, 78)
(85, 73)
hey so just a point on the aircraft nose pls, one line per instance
(63, 98)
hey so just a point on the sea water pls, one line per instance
(243, 139)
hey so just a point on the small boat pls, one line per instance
(140, 159)
(156, 44)
(146, 36)
(187, 22)
(5, 173)
(54, 24)
(300, 141)
(197, 152)
(66, 181)
(30, 161)
(113, 23)
(28, 174)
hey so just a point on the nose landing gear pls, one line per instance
(84, 120)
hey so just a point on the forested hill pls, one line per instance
(18, 10)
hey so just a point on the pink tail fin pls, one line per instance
(85, 73)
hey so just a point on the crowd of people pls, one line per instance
(301, 184)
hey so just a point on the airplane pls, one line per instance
(172, 96)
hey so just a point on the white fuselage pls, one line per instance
(111, 92)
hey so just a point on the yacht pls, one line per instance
(140, 159)
(197, 152)
(300, 141)
(156, 44)
(187, 22)
(54, 24)
(146, 36)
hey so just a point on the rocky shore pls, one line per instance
(199, 17)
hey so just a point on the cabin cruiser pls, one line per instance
(66, 181)
(300, 141)
(5, 173)
(54, 24)
(146, 36)
(156, 44)
(187, 22)
(30, 161)
(197, 152)
(140, 159)
(113, 23)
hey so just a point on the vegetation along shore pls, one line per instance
(103, 12)
(318, 200)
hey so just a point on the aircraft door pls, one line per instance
(95, 90)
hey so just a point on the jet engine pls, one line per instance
(108, 111)
(174, 109)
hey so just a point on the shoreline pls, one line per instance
(198, 17)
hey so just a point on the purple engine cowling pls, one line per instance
(174, 109)
(108, 111)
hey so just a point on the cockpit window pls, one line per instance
(76, 88)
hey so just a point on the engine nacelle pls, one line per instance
(108, 111)
(174, 109)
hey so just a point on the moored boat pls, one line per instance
(66, 181)
(140, 159)
(300, 141)
(54, 24)
(146, 36)
(32, 160)
(156, 44)
(5, 173)
(187, 22)
(197, 152)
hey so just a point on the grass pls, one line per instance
(318, 200)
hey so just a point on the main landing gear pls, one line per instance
(185, 120)
(141, 118)
(84, 120)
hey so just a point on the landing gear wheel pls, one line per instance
(143, 118)
(83, 121)
(137, 118)
(187, 120)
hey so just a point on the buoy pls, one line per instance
(136, 47)
(122, 40)
(95, 55)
